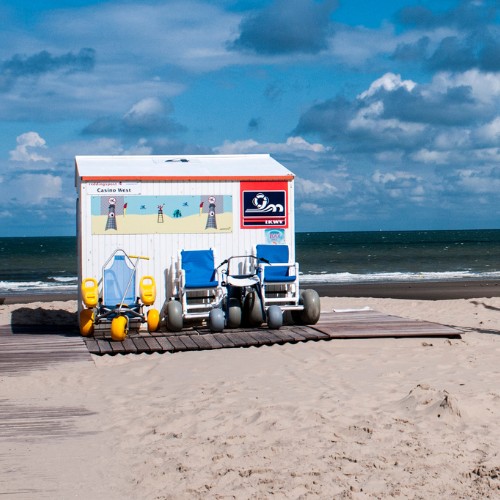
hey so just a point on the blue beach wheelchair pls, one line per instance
(197, 289)
(279, 281)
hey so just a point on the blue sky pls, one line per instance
(387, 112)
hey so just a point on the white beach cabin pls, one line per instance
(155, 206)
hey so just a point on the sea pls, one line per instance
(48, 265)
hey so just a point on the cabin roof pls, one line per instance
(181, 167)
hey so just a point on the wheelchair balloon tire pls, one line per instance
(87, 322)
(119, 328)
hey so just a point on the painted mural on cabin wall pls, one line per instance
(162, 214)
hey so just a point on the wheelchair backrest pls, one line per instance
(199, 268)
(116, 279)
(275, 254)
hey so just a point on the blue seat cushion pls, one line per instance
(277, 279)
(199, 268)
(275, 254)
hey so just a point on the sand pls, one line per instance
(371, 418)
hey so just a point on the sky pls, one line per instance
(388, 113)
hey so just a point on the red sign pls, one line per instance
(264, 204)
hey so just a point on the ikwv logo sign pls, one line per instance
(264, 207)
(271, 203)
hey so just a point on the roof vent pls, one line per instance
(184, 160)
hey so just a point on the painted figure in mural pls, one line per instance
(211, 220)
(111, 222)
(177, 214)
(185, 204)
(124, 209)
(201, 208)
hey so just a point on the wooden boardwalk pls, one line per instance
(25, 348)
(355, 324)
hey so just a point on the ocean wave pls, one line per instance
(64, 279)
(397, 277)
(69, 283)
(36, 287)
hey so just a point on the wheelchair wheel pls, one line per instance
(119, 328)
(216, 320)
(153, 320)
(175, 321)
(87, 322)
(234, 315)
(274, 317)
(312, 307)
(253, 309)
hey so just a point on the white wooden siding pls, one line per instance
(94, 250)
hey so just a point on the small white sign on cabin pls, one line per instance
(117, 188)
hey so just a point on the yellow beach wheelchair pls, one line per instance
(119, 308)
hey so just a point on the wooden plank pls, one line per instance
(283, 335)
(92, 346)
(165, 344)
(307, 334)
(223, 340)
(214, 343)
(140, 344)
(177, 343)
(117, 347)
(190, 345)
(201, 342)
(104, 347)
(274, 338)
(259, 337)
(250, 341)
(308, 330)
(236, 339)
(396, 328)
(153, 344)
(368, 333)
(129, 346)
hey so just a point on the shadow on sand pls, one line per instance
(44, 321)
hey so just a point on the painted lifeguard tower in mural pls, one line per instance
(111, 222)
(211, 220)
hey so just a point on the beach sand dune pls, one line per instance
(367, 418)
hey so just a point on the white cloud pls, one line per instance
(369, 119)
(490, 132)
(26, 143)
(426, 156)
(306, 187)
(389, 156)
(389, 82)
(104, 146)
(472, 181)
(31, 189)
(149, 106)
(381, 178)
(292, 145)
(187, 33)
(311, 208)
(485, 86)
(451, 140)
(139, 149)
